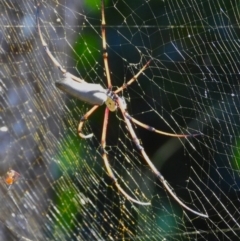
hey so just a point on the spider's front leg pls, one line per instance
(107, 164)
(148, 161)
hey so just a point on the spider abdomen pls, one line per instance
(93, 94)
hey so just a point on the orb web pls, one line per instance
(190, 86)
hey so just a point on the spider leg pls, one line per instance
(151, 165)
(150, 128)
(105, 57)
(83, 119)
(107, 165)
(105, 122)
(134, 78)
(104, 45)
(54, 60)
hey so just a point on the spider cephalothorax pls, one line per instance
(96, 95)
(112, 101)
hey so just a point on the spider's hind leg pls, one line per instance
(83, 119)
(50, 55)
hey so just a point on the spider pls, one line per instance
(11, 177)
(96, 95)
